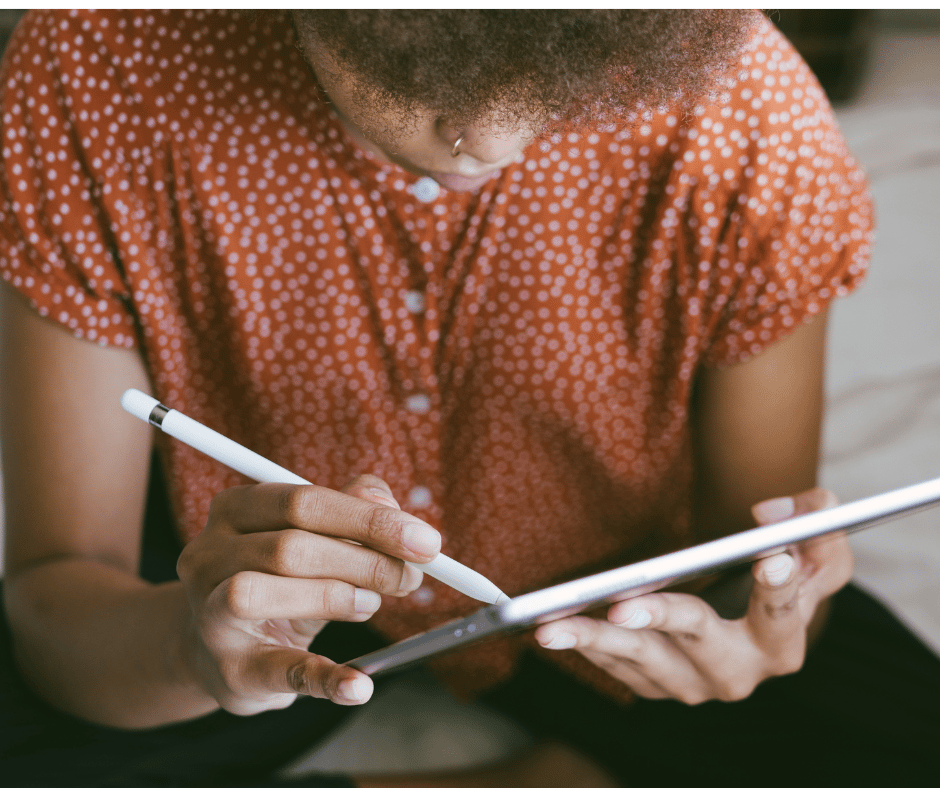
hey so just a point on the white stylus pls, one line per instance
(256, 467)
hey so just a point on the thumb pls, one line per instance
(774, 510)
(283, 670)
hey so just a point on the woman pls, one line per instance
(549, 288)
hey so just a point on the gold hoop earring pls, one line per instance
(456, 151)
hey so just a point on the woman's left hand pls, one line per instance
(671, 645)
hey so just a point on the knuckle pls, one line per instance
(185, 564)
(736, 688)
(194, 567)
(791, 661)
(693, 697)
(336, 599)
(289, 553)
(297, 504)
(383, 526)
(220, 505)
(382, 574)
(697, 619)
(776, 610)
(226, 506)
(298, 678)
(240, 595)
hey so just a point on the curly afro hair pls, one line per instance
(509, 66)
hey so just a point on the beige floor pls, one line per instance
(883, 421)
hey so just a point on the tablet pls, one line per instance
(614, 585)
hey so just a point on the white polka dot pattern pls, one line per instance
(519, 359)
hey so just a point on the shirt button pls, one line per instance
(419, 497)
(418, 403)
(426, 189)
(415, 302)
(422, 596)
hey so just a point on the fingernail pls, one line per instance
(562, 640)
(637, 620)
(411, 579)
(366, 601)
(777, 570)
(358, 689)
(381, 496)
(421, 539)
(775, 509)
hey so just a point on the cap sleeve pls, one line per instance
(800, 226)
(57, 243)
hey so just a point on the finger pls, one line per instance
(814, 500)
(648, 662)
(647, 652)
(775, 614)
(723, 662)
(786, 594)
(582, 632)
(253, 596)
(271, 507)
(371, 488)
(775, 510)
(289, 670)
(829, 561)
(296, 553)
(687, 618)
(624, 671)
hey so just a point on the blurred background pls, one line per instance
(881, 69)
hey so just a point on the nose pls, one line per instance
(486, 145)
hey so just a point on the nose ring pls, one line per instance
(456, 150)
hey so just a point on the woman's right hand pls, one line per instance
(271, 568)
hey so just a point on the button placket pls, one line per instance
(422, 398)
(410, 329)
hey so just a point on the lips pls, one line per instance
(459, 183)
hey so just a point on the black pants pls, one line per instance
(864, 710)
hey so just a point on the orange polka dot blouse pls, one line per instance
(516, 363)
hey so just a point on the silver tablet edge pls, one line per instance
(647, 576)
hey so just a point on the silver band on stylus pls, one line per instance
(158, 414)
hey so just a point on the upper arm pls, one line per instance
(74, 463)
(757, 428)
